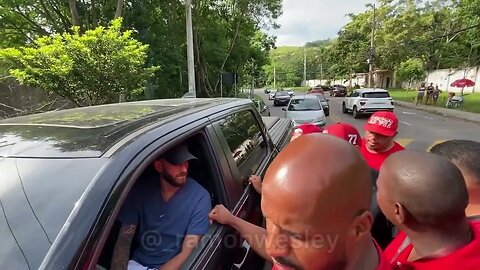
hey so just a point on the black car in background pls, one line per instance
(66, 174)
(338, 91)
(281, 98)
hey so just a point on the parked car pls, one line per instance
(290, 92)
(66, 174)
(367, 101)
(271, 95)
(316, 90)
(305, 109)
(339, 91)
(324, 102)
(281, 98)
(261, 107)
(267, 90)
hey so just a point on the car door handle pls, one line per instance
(241, 256)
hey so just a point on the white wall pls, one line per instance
(444, 77)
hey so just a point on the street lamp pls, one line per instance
(190, 55)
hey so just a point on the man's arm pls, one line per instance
(121, 253)
(255, 236)
(189, 243)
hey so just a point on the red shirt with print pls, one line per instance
(375, 160)
(383, 264)
(466, 258)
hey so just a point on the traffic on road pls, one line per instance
(418, 130)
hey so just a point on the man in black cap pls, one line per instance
(167, 217)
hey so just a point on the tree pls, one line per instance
(411, 70)
(88, 69)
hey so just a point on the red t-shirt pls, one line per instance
(382, 264)
(375, 160)
(466, 258)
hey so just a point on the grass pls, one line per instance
(471, 102)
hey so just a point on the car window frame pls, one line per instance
(134, 170)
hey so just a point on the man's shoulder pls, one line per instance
(197, 189)
(398, 147)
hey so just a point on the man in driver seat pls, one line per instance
(165, 214)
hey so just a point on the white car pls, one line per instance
(367, 101)
(305, 109)
(271, 95)
(290, 92)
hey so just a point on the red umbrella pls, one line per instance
(463, 83)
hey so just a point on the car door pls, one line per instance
(248, 150)
(351, 99)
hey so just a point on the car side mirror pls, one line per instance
(284, 109)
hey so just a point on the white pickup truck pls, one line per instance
(367, 101)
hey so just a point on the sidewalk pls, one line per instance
(467, 116)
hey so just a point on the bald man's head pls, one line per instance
(429, 188)
(317, 185)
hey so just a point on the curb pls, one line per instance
(466, 116)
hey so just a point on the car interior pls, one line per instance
(201, 170)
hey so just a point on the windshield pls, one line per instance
(376, 95)
(282, 94)
(307, 104)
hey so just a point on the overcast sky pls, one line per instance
(309, 20)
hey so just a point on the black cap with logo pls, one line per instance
(178, 154)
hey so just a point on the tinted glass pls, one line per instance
(376, 95)
(307, 104)
(244, 137)
(36, 198)
(278, 94)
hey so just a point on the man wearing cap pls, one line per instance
(378, 144)
(166, 212)
(382, 228)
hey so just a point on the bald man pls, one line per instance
(425, 196)
(317, 214)
(466, 156)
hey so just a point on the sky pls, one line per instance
(309, 20)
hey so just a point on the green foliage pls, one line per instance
(87, 69)
(411, 70)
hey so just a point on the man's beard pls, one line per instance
(334, 264)
(173, 180)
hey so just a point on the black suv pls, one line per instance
(66, 174)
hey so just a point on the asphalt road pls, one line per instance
(418, 130)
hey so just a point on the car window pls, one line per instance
(282, 94)
(307, 104)
(244, 137)
(376, 95)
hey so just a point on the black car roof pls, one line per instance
(91, 131)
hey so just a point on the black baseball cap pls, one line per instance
(178, 155)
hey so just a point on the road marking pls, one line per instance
(408, 124)
(404, 142)
(427, 117)
(409, 113)
(435, 143)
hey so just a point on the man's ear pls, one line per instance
(401, 213)
(363, 223)
(158, 165)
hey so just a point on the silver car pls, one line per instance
(305, 109)
(324, 102)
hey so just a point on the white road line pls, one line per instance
(408, 124)
(427, 117)
(409, 113)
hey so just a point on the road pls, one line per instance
(418, 130)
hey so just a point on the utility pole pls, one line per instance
(372, 51)
(190, 55)
(304, 67)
